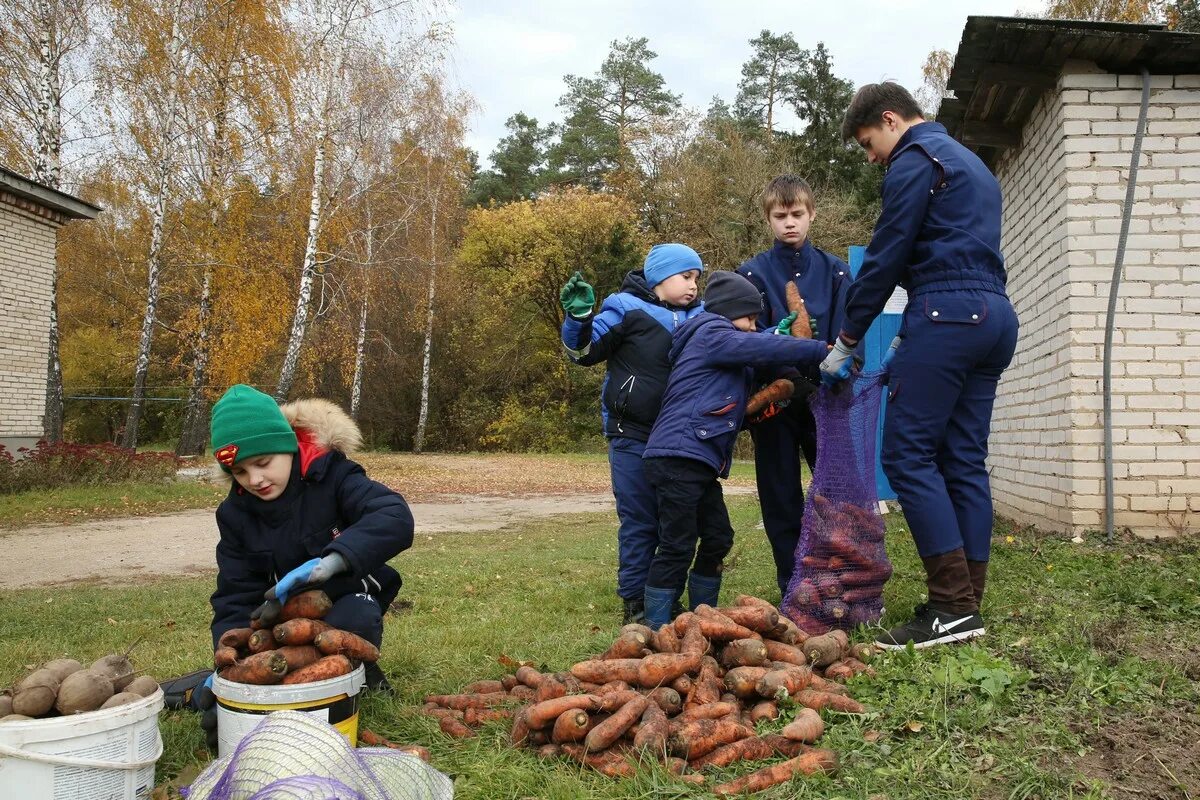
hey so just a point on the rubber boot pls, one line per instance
(703, 590)
(658, 606)
(978, 571)
(949, 581)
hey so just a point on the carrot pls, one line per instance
(372, 739)
(652, 735)
(508, 682)
(640, 628)
(464, 701)
(783, 681)
(549, 751)
(235, 637)
(549, 688)
(767, 709)
(776, 391)
(322, 670)
(715, 625)
(822, 685)
(752, 748)
(481, 716)
(538, 738)
(613, 686)
(823, 650)
(667, 699)
(570, 726)
(529, 677)
(806, 727)
(298, 631)
(701, 736)
(693, 640)
(484, 687)
(818, 700)
(261, 668)
(224, 656)
(751, 600)
(542, 714)
(809, 763)
(519, 734)
(839, 671)
(609, 764)
(863, 651)
(710, 711)
(260, 641)
(434, 710)
(455, 729)
(778, 651)
(683, 684)
(523, 693)
(762, 619)
(857, 666)
(742, 681)
(346, 643)
(666, 640)
(313, 604)
(617, 669)
(614, 700)
(802, 326)
(707, 687)
(607, 732)
(572, 684)
(662, 668)
(862, 595)
(299, 656)
(628, 645)
(743, 653)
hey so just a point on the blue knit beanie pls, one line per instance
(665, 260)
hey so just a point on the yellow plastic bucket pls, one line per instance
(241, 706)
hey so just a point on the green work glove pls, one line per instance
(577, 296)
(784, 328)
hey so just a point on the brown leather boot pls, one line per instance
(949, 581)
(978, 579)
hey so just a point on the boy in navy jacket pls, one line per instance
(691, 446)
(779, 441)
(938, 236)
(632, 333)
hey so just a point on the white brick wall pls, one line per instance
(1064, 195)
(27, 265)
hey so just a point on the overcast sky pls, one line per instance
(511, 55)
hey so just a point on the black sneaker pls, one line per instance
(930, 627)
(635, 611)
(376, 680)
(177, 692)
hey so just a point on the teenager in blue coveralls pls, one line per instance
(632, 333)
(938, 236)
(779, 440)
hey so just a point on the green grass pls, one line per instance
(1081, 638)
(79, 503)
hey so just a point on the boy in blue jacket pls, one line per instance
(632, 333)
(780, 440)
(713, 357)
(299, 515)
(938, 236)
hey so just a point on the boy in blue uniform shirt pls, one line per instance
(938, 236)
(713, 357)
(632, 333)
(822, 280)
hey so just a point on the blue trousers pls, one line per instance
(358, 613)
(637, 510)
(695, 531)
(778, 445)
(939, 413)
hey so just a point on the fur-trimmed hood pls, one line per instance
(327, 425)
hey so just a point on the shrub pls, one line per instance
(50, 465)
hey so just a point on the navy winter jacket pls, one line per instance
(939, 229)
(821, 277)
(711, 373)
(329, 506)
(632, 332)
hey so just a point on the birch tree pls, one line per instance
(41, 42)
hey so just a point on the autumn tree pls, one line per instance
(1136, 11)
(768, 78)
(935, 73)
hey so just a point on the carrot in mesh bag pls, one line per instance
(841, 561)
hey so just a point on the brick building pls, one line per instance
(1052, 107)
(30, 216)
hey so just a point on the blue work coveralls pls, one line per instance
(938, 236)
(822, 280)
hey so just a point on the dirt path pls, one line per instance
(122, 550)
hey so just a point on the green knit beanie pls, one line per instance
(248, 423)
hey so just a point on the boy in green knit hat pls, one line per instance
(299, 515)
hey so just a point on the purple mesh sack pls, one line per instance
(841, 562)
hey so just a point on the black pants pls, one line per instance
(692, 521)
(778, 443)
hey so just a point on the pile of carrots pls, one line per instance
(300, 649)
(689, 696)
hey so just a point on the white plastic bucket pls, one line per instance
(241, 706)
(101, 755)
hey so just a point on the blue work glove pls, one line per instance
(206, 702)
(890, 353)
(300, 576)
(837, 365)
(784, 328)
